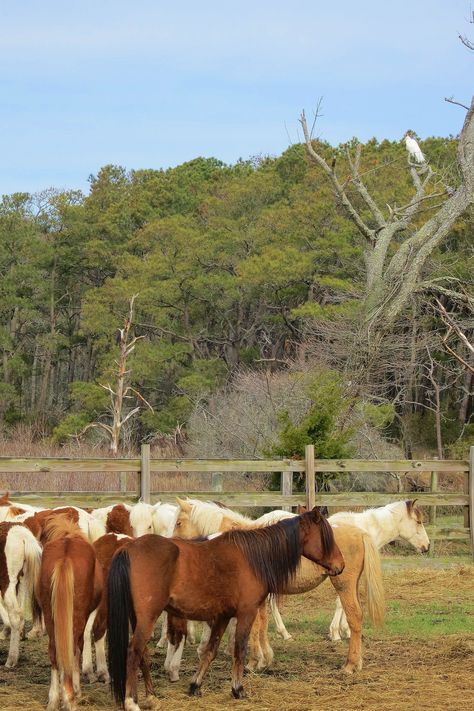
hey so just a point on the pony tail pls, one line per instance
(120, 610)
(62, 601)
(373, 574)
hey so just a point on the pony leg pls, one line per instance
(15, 615)
(99, 631)
(264, 641)
(231, 637)
(38, 628)
(344, 629)
(334, 627)
(151, 702)
(177, 630)
(6, 622)
(206, 633)
(242, 631)
(76, 675)
(87, 665)
(164, 631)
(54, 696)
(191, 632)
(101, 660)
(280, 626)
(217, 630)
(349, 595)
(136, 649)
(256, 658)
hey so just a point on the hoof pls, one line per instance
(151, 702)
(34, 634)
(194, 690)
(173, 676)
(286, 636)
(238, 692)
(10, 664)
(103, 677)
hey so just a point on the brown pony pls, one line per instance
(69, 589)
(212, 580)
(104, 548)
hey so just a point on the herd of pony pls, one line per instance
(88, 575)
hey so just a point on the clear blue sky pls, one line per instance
(150, 84)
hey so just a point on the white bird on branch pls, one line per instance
(414, 150)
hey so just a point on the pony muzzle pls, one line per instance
(334, 570)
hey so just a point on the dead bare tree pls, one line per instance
(393, 276)
(121, 391)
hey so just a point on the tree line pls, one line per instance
(256, 266)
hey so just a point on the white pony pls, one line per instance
(400, 519)
(19, 567)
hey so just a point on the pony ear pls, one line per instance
(410, 504)
(301, 509)
(184, 505)
(317, 513)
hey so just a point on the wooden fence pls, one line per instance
(144, 467)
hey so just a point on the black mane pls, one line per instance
(273, 552)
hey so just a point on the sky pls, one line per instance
(152, 84)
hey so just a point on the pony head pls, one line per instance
(318, 543)
(164, 518)
(184, 527)
(141, 519)
(411, 526)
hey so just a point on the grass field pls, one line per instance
(422, 659)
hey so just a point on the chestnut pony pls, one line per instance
(212, 580)
(68, 590)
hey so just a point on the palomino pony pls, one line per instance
(68, 590)
(20, 560)
(213, 580)
(400, 519)
(360, 555)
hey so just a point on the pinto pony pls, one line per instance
(213, 580)
(20, 560)
(69, 589)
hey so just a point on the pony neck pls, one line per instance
(384, 524)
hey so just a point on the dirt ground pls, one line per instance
(422, 659)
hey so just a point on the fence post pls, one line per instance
(310, 476)
(217, 482)
(145, 474)
(471, 498)
(286, 487)
(433, 509)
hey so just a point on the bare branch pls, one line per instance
(139, 396)
(451, 100)
(353, 214)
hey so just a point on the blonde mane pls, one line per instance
(209, 517)
(60, 526)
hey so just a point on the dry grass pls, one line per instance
(409, 665)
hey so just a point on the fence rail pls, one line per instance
(144, 467)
